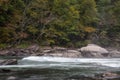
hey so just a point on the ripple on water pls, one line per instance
(57, 68)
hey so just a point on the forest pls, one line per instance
(68, 23)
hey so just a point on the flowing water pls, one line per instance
(59, 68)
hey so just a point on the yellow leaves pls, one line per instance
(50, 41)
(34, 14)
(32, 29)
(74, 12)
(89, 29)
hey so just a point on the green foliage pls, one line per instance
(23, 45)
(32, 30)
(7, 34)
(88, 11)
(59, 22)
(116, 11)
(3, 45)
(108, 26)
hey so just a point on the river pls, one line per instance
(59, 68)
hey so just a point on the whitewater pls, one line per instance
(63, 62)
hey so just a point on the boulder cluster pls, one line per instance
(89, 51)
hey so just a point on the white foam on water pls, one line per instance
(61, 62)
(111, 62)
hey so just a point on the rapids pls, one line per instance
(59, 68)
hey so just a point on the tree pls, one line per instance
(59, 22)
(10, 11)
(114, 31)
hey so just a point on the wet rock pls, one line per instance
(12, 78)
(20, 52)
(102, 76)
(92, 50)
(66, 53)
(38, 54)
(34, 48)
(49, 51)
(45, 48)
(82, 77)
(114, 53)
(55, 50)
(60, 49)
(73, 54)
(72, 51)
(3, 52)
(9, 62)
(60, 52)
(92, 55)
(12, 53)
(1, 61)
(54, 54)
(108, 76)
(5, 70)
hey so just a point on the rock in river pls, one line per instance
(92, 50)
(8, 62)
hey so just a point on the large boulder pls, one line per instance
(64, 53)
(92, 50)
(3, 52)
(114, 54)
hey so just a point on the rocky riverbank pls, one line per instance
(101, 76)
(89, 51)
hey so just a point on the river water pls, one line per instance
(59, 68)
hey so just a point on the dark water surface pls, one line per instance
(48, 68)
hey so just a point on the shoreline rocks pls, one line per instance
(8, 62)
(92, 50)
(114, 53)
(67, 53)
(100, 76)
(89, 51)
(12, 78)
